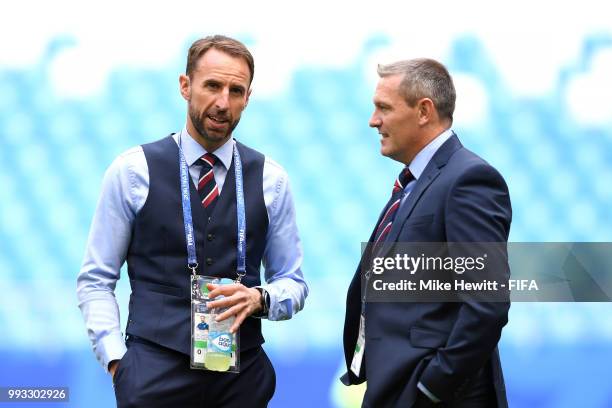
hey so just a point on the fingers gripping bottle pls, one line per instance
(220, 340)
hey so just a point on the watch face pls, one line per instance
(266, 299)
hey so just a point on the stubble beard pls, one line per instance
(197, 121)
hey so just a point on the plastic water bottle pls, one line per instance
(220, 340)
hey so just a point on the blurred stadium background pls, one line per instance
(80, 83)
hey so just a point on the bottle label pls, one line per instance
(221, 342)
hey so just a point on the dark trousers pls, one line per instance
(153, 376)
(478, 392)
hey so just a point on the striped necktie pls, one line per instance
(384, 226)
(207, 186)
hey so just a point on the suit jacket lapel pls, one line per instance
(432, 170)
(406, 209)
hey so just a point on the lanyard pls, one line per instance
(192, 261)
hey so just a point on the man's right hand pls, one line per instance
(112, 367)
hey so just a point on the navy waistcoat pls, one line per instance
(159, 309)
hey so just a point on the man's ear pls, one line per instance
(185, 86)
(426, 111)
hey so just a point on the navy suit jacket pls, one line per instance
(458, 198)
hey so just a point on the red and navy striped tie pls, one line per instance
(384, 226)
(207, 186)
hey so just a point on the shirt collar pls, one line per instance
(193, 150)
(420, 161)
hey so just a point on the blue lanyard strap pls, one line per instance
(192, 261)
(241, 242)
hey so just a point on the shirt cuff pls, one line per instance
(109, 348)
(280, 309)
(428, 393)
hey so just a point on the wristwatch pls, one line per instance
(265, 303)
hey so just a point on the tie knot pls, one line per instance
(402, 180)
(208, 159)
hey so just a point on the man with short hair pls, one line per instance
(140, 218)
(436, 353)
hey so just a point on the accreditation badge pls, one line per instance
(359, 348)
(213, 347)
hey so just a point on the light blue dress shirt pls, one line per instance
(421, 160)
(124, 191)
